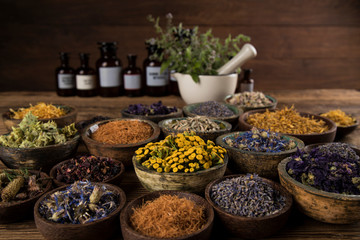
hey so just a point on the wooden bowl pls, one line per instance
(20, 210)
(128, 231)
(43, 158)
(67, 119)
(100, 229)
(121, 152)
(153, 118)
(311, 138)
(251, 227)
(263, 163)
(188, 112)
(189, 182)
(113, 180)
(246, 109)
(210, 135)
(343, 131)
(321, 205)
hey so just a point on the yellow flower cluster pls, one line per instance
(184, 152)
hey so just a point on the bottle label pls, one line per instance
(66, 81)
(85, 82)
(132, 81)
(156, 79)
(246, 87)
(110, 76)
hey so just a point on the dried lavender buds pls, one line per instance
(154, 109)
(332, 167)
(250, 99)
(79, 203)
(213, 109)
(247, 196)
(197, 124)
(92, 168)
(259, 140)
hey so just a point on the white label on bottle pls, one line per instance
(66, 81)
(110, 76)
(132, 81)
(85, 82)
(246, 87)
(156, 79)
(171, 77)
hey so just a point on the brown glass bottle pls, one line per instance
(86, 79)
(173, 85)
(109, 71)
(246, 83)
(65, 77)
(155, 80)
(132, 78)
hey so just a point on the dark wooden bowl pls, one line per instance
(121, 152)
(263, 163)
(189, 182)
(246, 109)
(67, 119)
(129, 233)
(225, 128)
(43, 158)
(252, 227)
(189, 112)
(21, 210)
(153, 118)
(113, 180)
(343, 131)
(321, 205)
(311, 138)
(100, 229)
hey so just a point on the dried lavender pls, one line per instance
(79, 203)
(154, 109)
(259, 140)
(333, 167)
(250, 99)
(247, 196)
(197, 124)
(213, 109)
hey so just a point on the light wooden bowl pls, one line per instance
(153, 118)
(128, 231)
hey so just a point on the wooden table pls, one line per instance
(313, 101)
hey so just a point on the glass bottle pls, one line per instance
(173, 85)
(86, 80)
(132, 78)
(65, 77)
(109, 71)
(156, 82)
(246, 83)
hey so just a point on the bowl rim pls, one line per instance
(288, 198)
(299, 144)
(272, 99)
(210, 75)
(53, 172)
(118, 190)
(210, 219)
(178, 112)
(88, 140)
(233, 108)
(311, 190)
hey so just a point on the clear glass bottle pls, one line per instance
(133, 85)
(65, 77)
(109, 71)
(246, 83)
(86, 79)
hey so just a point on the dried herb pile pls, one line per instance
(339, 117)
(250, 99)
(154, 109)
(168, 217)
(333, 167)
(32, 133)
(185, 152)
(40, 110)
(212, 109)
(197, 124)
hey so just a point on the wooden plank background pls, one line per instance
(301, 43)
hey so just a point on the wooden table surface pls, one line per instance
(312, 101)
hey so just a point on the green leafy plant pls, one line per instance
(188, 51)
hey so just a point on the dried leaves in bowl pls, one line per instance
(146, 110)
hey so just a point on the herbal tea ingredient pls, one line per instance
(340, 118)
(250, 99)
(32, 133)
(185, 152)
(154, 109)
(259, 140)
(122, 132)
(40, 110)
(168, 217)
(287, 120)
(92, 168)
(247, 196)
(79, 203)
(332, 167)
(197, 124)
(213, 109)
